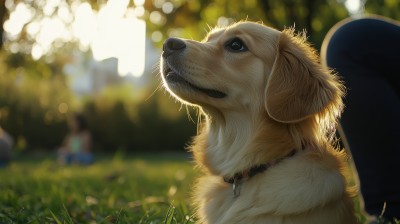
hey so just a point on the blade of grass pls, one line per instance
(67, 215)
(55, 217)
(170, 215)
(119, 215)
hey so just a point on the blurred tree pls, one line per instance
(189, 18)
(121, 121)
(32, 15)
(34, 101)
(388, 8)
(3, 16)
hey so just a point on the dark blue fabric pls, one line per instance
(366, 53)
(80, 158)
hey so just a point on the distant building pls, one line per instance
(88, 76)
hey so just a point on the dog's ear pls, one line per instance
(299, 86)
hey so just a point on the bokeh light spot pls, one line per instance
(156, 36)
(63, 108)
(167, 7)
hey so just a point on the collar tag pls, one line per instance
(236, 188)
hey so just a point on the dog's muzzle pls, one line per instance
(173, 75)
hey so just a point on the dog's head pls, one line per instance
(249, 66)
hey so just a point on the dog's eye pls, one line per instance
(236, 45)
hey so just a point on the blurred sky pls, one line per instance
(113, 31)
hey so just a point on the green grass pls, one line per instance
(146, 188)
(120, 189)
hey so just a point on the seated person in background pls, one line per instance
(6, 143)
(76, 145)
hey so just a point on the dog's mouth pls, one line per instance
(172, 76)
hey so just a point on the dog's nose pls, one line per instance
(172, 45)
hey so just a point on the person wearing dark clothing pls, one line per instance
(366, 53)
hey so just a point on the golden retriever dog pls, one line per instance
(270, 111)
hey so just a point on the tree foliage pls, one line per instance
(387, 8)
(34, 101)
(190, 19)
(118, 120)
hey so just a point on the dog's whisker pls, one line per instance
(156, 70)
(189, 115)
(156, 67)
(209, 28)
(160, 85)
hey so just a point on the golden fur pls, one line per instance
(278, 98)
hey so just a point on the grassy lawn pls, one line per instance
(146, 188)
(115, 189)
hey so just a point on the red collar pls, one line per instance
(237, 178)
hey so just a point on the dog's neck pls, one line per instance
(236, 142)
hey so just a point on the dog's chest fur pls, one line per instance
(306, 188)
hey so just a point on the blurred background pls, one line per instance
(100, 58)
